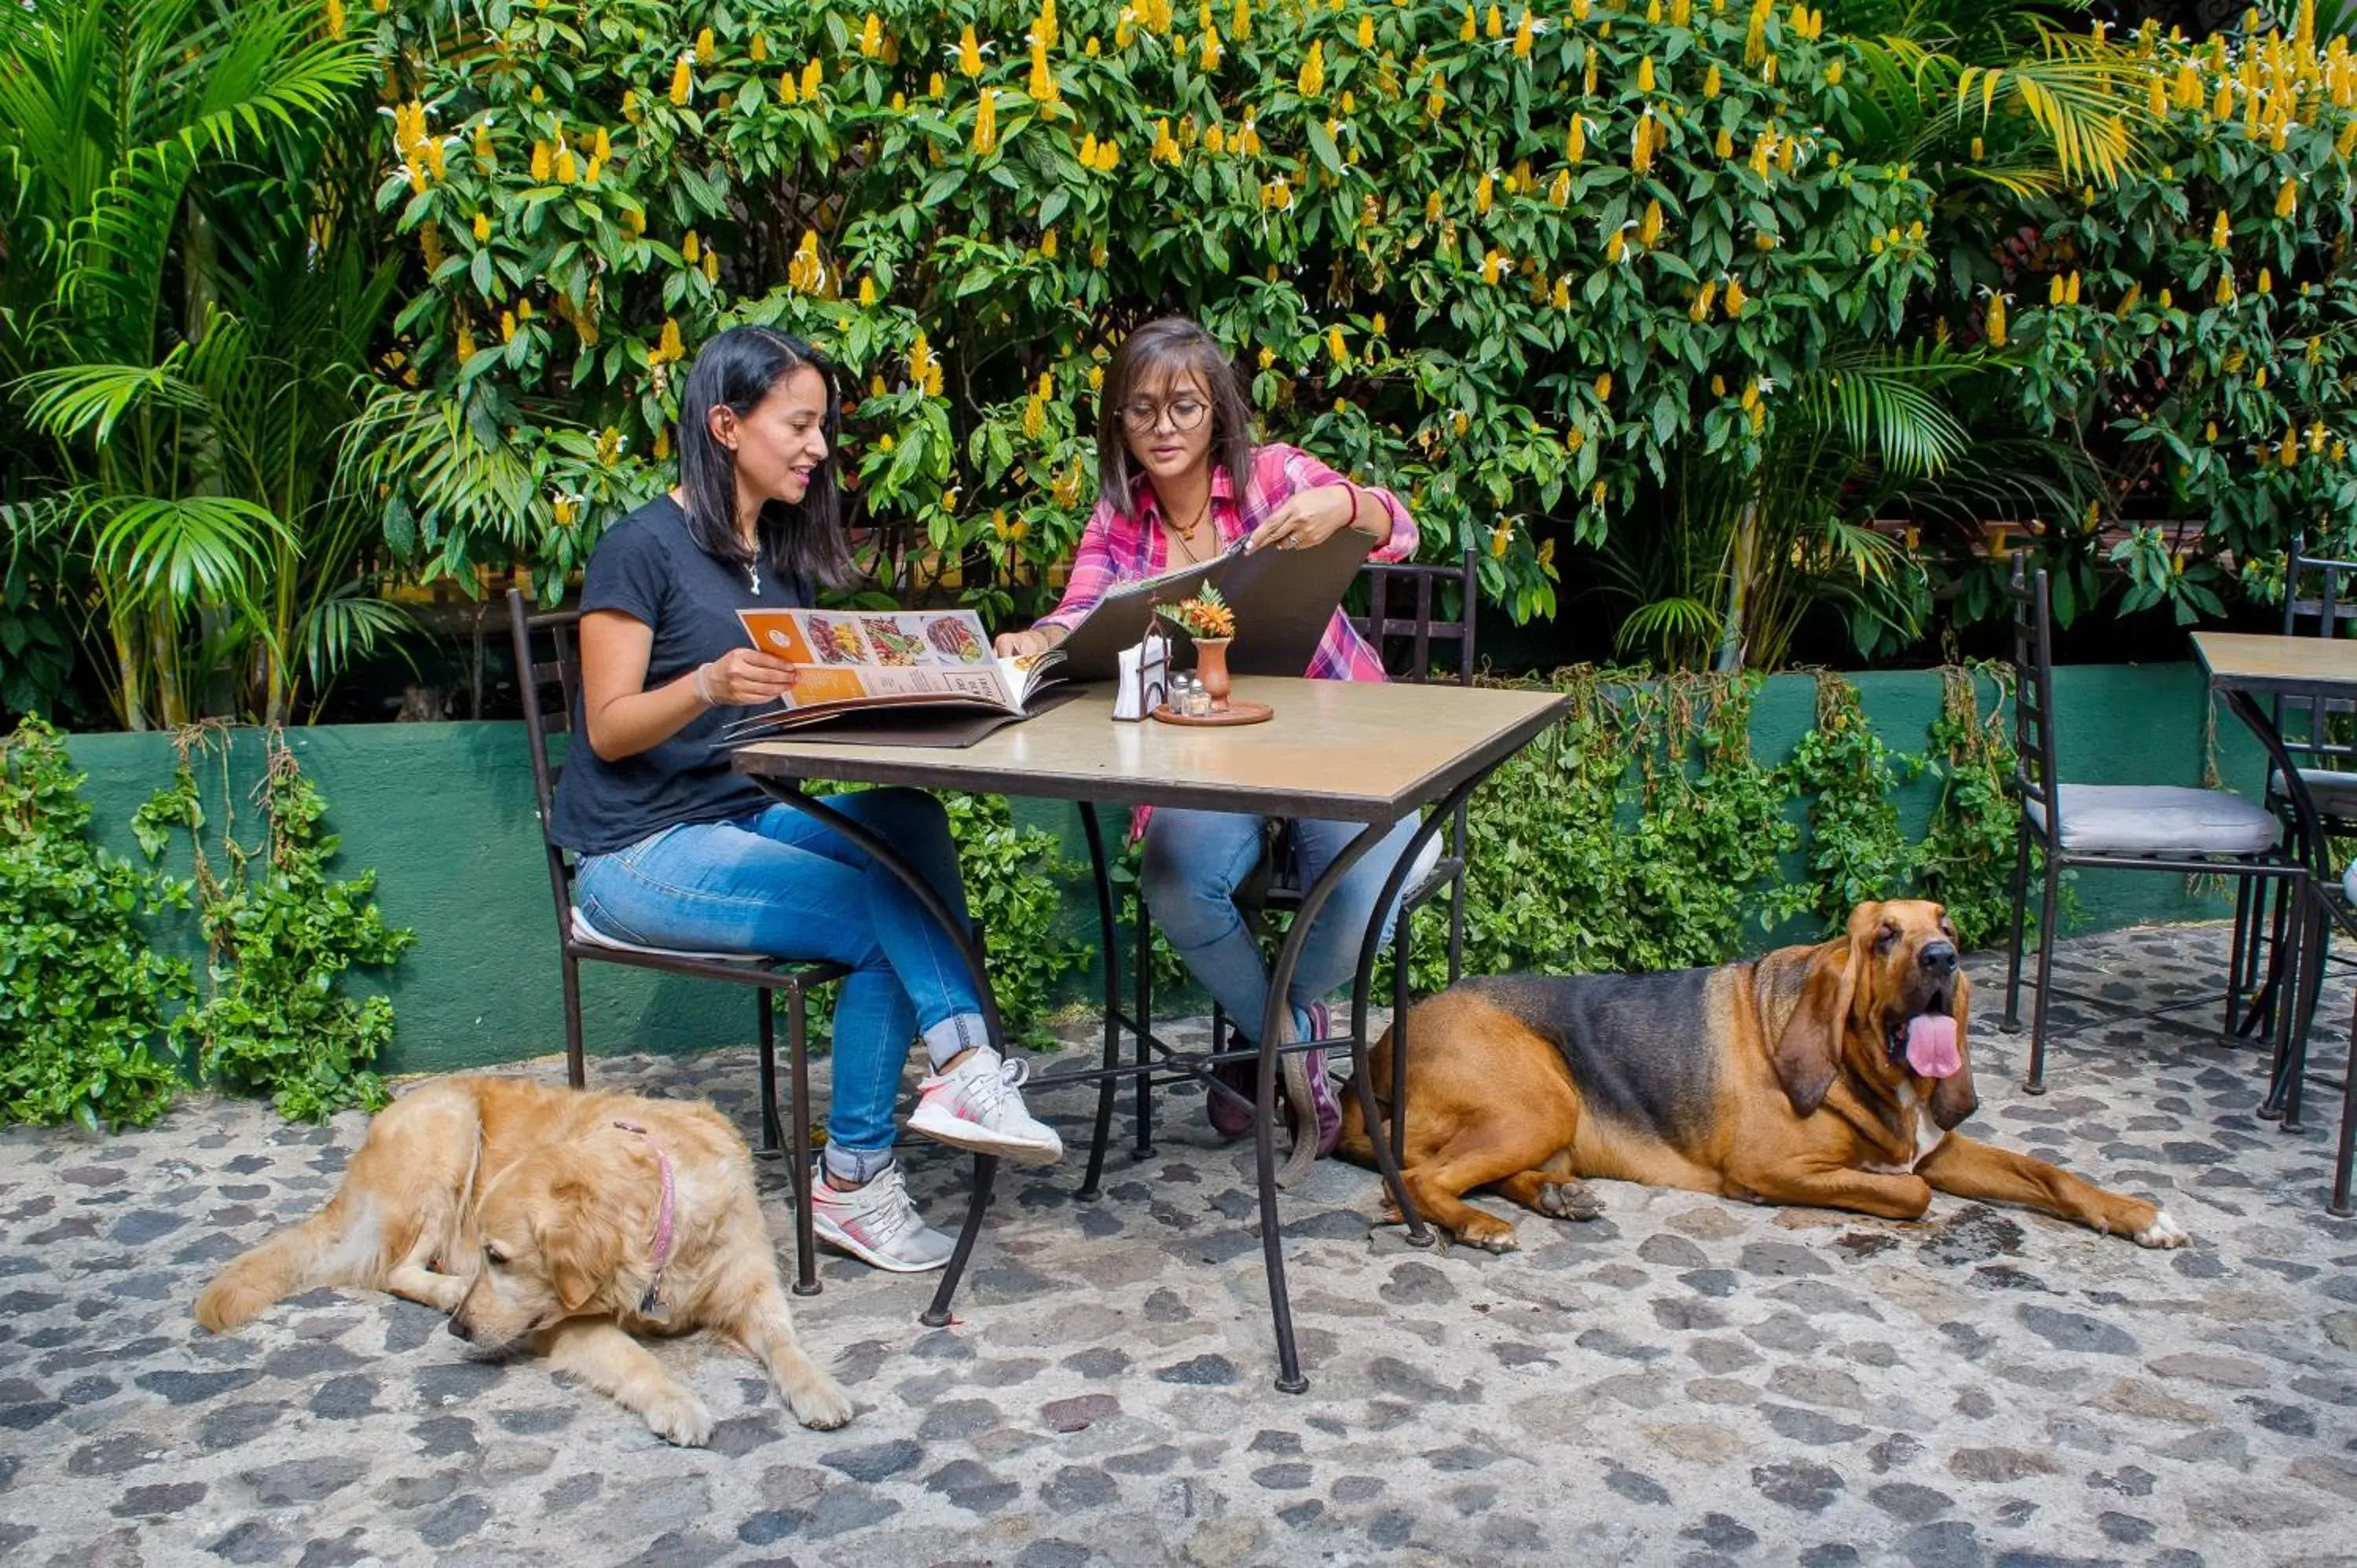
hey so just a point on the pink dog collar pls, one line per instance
(663, 1214)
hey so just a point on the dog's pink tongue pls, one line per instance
(1931, 1046)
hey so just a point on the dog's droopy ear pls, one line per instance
(1808, 1053)
(1954, 1097)
(580, 1245)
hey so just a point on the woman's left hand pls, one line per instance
(1307, 519)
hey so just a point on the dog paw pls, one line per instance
(1570, 1200)
(2163, 1231)
(677, 1416)
(822, 1405)
(1493, 1236)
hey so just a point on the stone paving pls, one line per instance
(1684, 1382)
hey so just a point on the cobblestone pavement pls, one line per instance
(1685, 1381)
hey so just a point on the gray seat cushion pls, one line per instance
(2158, 820)
(583, 931)
(2335, 794)
(2349, 883)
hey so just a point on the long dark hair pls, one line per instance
(1171, 345)
(739, 369)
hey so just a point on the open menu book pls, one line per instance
(851, 662)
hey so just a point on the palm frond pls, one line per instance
(74, 402)
(1886, 407)
(2087, 99)
(353, 624)
(185, 549)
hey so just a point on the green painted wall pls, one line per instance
(444, 814)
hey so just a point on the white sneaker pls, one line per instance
(978, 1105)
(877, 1223)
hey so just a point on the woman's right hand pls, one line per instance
(743, 677)
(1015, 644)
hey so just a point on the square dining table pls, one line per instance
(2244, 667)
(1354, 751)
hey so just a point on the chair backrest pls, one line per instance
(534, 679)
(2317, 602)
(1403, 607)
(2033, 691)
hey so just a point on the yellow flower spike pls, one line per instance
(1035, 418)
(2053, 284)
(704, 47)
(1349, 102)
(985, 123)
(1725, 146)
(1710, 83)
(1366, 32)
(1523, 35)
(1681, 13)
(871, 36)
(866, 293)
(2259, 381)
(1483, 194)
(1432, 208)
(2221, 107)
(1649, 231)
(805, 272)
(1718, 386)
(1735, 299)
(2221, 232)
(1640, 148)
(1575, 140)
(1436, 102)
(1588, 76)
(969, 53)
(682, 80)
(1574, 439)
(1047, 249)
(761, 48)
(2167, 300)
(1312, 81)
(1501, 539)
(2225, 294)
(690, 249)
(2288, 454)
(2287, 199)
(1496, 27)
(1751, 399)
(507, 325)
(1209, 57)
(1617, 246)
(634, 221)
(335, 19)
(1699, 311)
(1089, 150)
(663, 444)
(2070, 290)
(812, 74)
(602, 146)
(1240, 25)
(711, 266)
(1335, 350)
(1472, 28)
(1833, 73)
(1645, 74)
(2129, 301)
(1108, 155)
(1493, 267)
(1596, 493)
(899, 102)
(787, 91)
(1215, 141)
(543, 163)
(1559, 193)
(1997, 322)
(2267, 281)
(1604, 387)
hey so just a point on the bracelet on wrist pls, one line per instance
(696, 682)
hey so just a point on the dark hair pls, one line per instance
(1171, 345)
(739, 369)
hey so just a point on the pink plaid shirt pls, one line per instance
(1116, 548)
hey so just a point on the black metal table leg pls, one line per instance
(969, 952)
(1387, 1143)
(1276, 1029)
(1109, 1086)
(2295, 966)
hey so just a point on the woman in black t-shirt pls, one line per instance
(678, 851)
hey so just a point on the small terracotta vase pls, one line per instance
(1211, 666)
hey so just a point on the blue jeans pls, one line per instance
(779, 882)
(1194, 862)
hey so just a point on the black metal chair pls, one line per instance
(2126, 827)
(1405, 622)
(580, 942)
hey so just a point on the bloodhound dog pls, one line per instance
(1831, 1076)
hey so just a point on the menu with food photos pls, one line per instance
(859, 661)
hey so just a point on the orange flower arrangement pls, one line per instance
(1206, 616)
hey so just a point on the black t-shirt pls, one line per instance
(648, 568)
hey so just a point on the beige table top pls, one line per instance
(2249, 661)
(1352, 751)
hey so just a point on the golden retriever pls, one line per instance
(566, 1220)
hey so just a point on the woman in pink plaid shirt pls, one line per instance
(1180, 479)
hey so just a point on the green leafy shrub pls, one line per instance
(1015, 879)
(281, 935)
(84, 1000)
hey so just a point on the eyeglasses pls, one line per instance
(1185, 413)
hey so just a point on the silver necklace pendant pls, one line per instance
(753, 576)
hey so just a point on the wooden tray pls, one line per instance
(1238, 713)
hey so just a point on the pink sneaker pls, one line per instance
(1324, 1102)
